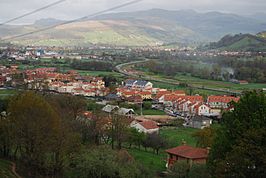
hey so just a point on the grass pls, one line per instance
(5, 93)
(150, 160)
(174, 136)
(98, 73)
(5, 169)
(150, 112)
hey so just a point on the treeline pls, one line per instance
(48, 136)
(252, 70)
(172, 68)
(92, 66)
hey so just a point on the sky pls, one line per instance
(71, 9)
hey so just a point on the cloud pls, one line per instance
(76, 8)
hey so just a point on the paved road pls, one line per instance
(121, 69)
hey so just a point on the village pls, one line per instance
(194, 111)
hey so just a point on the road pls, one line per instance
(121, 69)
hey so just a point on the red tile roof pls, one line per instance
(149, 125)
(186, 151)
(222, 99)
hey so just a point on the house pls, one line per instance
(110, 108)
(138, 84)
(112, 97)
(125, 112)
(134, 99)
(146, 126)
(202, 110)
(221, 102)
(200, 122)
(145, 95)
(186, 153)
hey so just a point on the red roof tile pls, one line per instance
(189, 152)
(149, 125)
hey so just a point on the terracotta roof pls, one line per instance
(149, 125)
(222, 99)
(188, 152)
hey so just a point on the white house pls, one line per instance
(202, 110)
(147, 126)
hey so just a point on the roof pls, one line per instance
(200, 118)
(222, 99)
(130, 82)
(188, 152)
(141, 82)
(149, 125)
(110, 108)
(124, 111)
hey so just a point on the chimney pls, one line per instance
(208, 150)
(184, 142)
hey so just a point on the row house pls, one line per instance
(138, 84)
(221, 102)
(128, 93)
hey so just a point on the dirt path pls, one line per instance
(13, 168)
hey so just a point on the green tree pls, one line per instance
(179, 170)
(34, 124)
(103, 162)
(239, 149)
(204, 137)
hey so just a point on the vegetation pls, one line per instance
(93, 66)
(252, 70)
(239, 146)
(6, 169)
(241, 42)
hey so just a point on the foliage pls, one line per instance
(93, 66)
(103, 162)
(239, 147)
(198, 171)
(180, 169)
(205, 137)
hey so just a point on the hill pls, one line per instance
(241, 42)
(151, 27)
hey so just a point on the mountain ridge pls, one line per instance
(141, 28)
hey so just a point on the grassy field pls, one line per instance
(150, 112)
(98, 73)
(5, 169)
(4, 93)
(174, 136)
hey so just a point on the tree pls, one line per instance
(154, 141)
(198, 171)
(118, 130)
(204, 137)
(34, 124)
(104, 162)
(239, 149)
(179, 170)
(135, 137)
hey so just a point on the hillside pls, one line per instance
(152, 27)
(240, 42)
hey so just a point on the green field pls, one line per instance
(174, 137)
(5, 169)
(6, 93)
(150, 112)
(98, 73)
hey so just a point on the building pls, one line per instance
(138, 84)
(186, 153)
(200, 122)
(146, 126)
(221, 102)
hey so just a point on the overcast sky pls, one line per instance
(71, 9)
